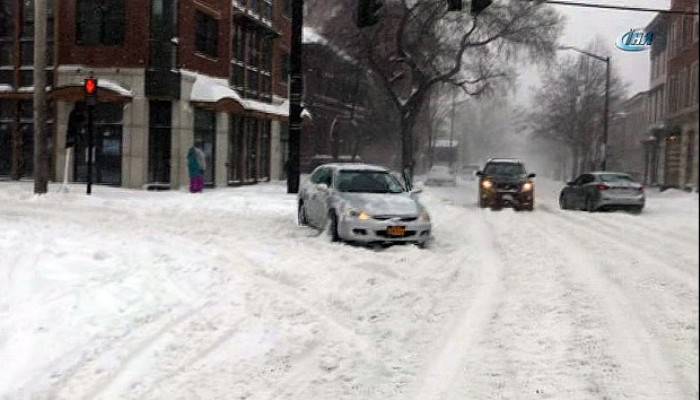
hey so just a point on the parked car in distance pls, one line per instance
(595, 191)
(362, 203)
(441, 175)
(469, 171)
(505, 182)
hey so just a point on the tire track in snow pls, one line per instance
(645, 372)
(445, 366)
(536, 326)
(611, 237)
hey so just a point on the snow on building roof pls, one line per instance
(310, 36)
(211, 90)
(267, 108)
(115, 87)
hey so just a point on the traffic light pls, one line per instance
(454, 5)
(90, 87)
(368, 12)
(479, 5)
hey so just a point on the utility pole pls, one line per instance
(607, 114)
(452, 128)
(296, 83)
(41, 159)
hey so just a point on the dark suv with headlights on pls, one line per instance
(505, 182)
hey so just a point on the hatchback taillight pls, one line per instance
(602, 187)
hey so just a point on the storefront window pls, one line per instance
(205, 139)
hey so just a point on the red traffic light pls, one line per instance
(90, 86)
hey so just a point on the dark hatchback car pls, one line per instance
(505, 182)
(603, 191)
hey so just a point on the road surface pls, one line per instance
(133, 295)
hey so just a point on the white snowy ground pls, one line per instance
(136, 295)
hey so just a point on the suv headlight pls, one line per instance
(527, 186)
(487, 184)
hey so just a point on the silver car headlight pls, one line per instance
(359, 214)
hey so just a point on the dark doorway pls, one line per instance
(108, 147)
(159, 141)
(673, 162)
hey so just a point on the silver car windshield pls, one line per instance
(367, 182)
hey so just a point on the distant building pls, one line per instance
(172, 74)
(671, 146)
(628, 131)
(445, 152)
(338, 94)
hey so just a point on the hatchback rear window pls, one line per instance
(616, 178)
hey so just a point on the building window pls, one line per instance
(238, 80)
(251, 63)
(687, 30)
(205, 139)
(287, 8)
(239, 44)
(693, 86)
(100, 22)
(207, 35)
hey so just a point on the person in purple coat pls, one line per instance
(196, 165)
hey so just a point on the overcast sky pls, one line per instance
(583, 24)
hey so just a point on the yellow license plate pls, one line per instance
(396, 231)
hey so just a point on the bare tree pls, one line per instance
(568, 108)
(419, 45)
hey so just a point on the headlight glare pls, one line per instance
(527, 186)
(487, 184)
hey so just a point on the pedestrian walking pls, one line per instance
(196, 164)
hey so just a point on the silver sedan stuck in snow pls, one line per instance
(362, 203)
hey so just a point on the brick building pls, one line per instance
(172, 73)
(671, 147)
(350, 122)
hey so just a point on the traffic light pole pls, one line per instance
(90, 144)
(41, 159)
(295, 94)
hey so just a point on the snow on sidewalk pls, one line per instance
(130, 294)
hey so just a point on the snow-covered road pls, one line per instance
(135, 295)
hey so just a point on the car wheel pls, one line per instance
(637, 209)
(562, 203)
(333, 227)
(482, 201)
(301, 215)
(590, 206)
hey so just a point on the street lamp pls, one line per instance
(606, 60)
